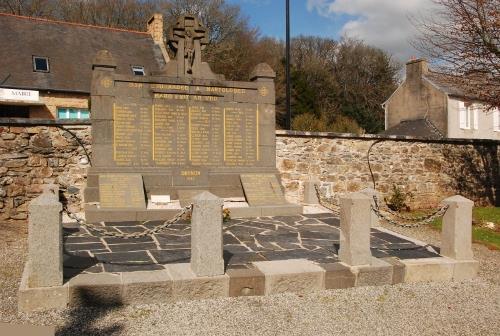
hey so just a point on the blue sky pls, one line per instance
(381, 23)
(269, 16)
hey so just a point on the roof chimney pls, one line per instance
(155, 28)
(415, 69)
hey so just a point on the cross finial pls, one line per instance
(187, 38)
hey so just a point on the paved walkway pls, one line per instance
(314, 237)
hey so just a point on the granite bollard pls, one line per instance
(456, 235)
(370, 192)
(206, 235)
(310, 195)
(355, 229)
(45, 260)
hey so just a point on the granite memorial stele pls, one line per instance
(180, 132)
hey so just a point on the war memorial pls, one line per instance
(183, 201)
(181, 132)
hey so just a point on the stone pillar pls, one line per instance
(45, 260)
(310, 195)
(370, 192)
(355, 229)
(456, 235)
(206, 235)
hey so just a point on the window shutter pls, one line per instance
(496, 120)
(476, 117)
(463, 114)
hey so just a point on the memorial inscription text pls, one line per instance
(177, 129)
(121, 191)
(262, 189)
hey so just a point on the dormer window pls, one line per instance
(40, 64)
(138, 70)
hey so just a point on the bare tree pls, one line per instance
(222, 20)
(463, 39)
(41, 8)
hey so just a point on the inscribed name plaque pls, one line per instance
(121, 191)
(262, 189)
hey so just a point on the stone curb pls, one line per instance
(177, 282)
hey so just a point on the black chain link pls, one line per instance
(102, 232)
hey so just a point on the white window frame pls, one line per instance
(138, 70)
(464, 115)
(496, 120)
(476, 109)
(41, 57)
(78, 109)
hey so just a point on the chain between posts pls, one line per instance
(327, 202)
(428, 219)
(415, 221)
(386, 213)
(102, 232)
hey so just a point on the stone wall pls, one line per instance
(431, 170)
(32, 156)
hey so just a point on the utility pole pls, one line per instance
(287, 70)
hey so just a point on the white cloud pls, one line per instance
(381, 23)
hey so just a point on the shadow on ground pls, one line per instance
(83, 319)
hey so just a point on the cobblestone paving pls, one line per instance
(314, 237)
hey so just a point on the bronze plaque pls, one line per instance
(262, 189)
(121, 191)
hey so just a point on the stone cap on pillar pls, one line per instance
(262, 71)
(51, 190)
(207, 196)
(458, 199)
(49, 197)
(355, 196)
(103, 59)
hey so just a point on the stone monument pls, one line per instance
(184, 130)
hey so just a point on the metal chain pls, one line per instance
(327, 202)
(403, 217)
(102, 232)
(384, 215)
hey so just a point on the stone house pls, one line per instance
(46, 65)
(424, 105)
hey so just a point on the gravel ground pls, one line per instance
(452, 308)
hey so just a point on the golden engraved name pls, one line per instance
(171, 96)
(176, 96)
(190, 173)
(170, 87)
(135, 85)
(215, 89)
(204, 98)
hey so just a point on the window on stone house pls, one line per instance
(72, 113)
(496, 120)
(138, 70)
(40, 64)
(469, 115)
(464, 115)
(475, 116)
(14, 111)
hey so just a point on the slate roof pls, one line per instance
(442, 84)
(70, 48)
(422, 128)
(447, 86)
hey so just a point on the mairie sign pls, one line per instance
(19, 95)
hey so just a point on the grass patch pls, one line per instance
(481, 234)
